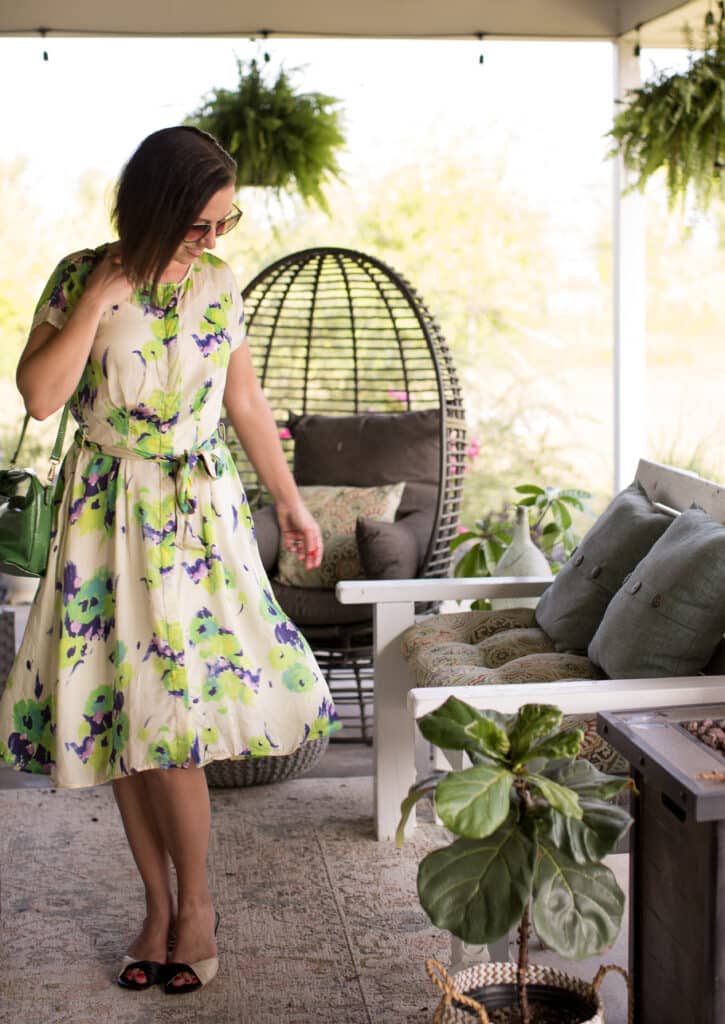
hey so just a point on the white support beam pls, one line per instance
(629, 299)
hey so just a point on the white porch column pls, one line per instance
(629, 299)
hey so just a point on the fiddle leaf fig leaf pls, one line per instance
(592, 837)
(586, 780)
(475, 802)
(455, 725)
(566, 743)
(478, 888)
(533, 722)
(563, 800)
(418, 791)
(576, 908)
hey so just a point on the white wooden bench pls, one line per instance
(398, 704)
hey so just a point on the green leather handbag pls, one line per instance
(26, 511)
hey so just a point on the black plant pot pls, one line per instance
(570, 1007)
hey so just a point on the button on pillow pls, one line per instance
(573, 606)
(668, 617)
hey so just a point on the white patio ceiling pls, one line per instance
(661, 20)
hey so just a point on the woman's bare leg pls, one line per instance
(147, 845)
(180, 801)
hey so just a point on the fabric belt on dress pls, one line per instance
(183, 464)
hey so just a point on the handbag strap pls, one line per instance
(57, 447)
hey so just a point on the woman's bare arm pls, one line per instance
(257, 431)
(53, 360)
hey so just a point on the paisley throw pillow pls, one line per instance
(336, 510)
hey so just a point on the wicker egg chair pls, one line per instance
(364, 390)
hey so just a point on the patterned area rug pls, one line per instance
(319, 923)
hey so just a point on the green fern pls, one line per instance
(281, 139)
(676, 121)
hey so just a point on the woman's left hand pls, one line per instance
(300, 534)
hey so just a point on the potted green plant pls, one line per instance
(676, 121)
(550, 528)
(281, 139)
(531, 823)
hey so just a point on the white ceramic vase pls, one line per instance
(521, 558)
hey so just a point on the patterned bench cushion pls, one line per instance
(506, 646)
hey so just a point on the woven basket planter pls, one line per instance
(259, 771)
(470, 995)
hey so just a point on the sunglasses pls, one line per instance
(222, 227)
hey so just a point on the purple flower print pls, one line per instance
(285, 633)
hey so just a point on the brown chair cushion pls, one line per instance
(368, 449)
(307, 606)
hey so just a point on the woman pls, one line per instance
(154, 645)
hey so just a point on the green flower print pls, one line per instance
(88, 386)
(260, 746)
(214, 338)
(178, 752)
(166, 652)
(31, 744)
(299, 678)
(158, 525)
(151, 423)
(199, 400)
(93, 502)
(88, 613)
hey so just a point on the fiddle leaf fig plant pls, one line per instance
(531, 823)
(550, 521)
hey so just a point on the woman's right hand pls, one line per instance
(108, 285)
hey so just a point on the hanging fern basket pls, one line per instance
(676, 121)
(281, 139)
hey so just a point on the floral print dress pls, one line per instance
(154, 639)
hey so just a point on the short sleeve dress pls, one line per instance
(154, 639)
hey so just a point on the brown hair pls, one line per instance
(171, 177)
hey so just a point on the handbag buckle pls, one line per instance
(52, 470)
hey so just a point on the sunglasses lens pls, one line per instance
(224, 226)
(195, 233)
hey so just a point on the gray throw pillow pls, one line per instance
(667, 618)
(571, 609)
(388, 551)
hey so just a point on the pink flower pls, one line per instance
(284, 434)
(398, 396)
(473, 449)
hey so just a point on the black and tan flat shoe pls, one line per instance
(154, 971)
(203, 971)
